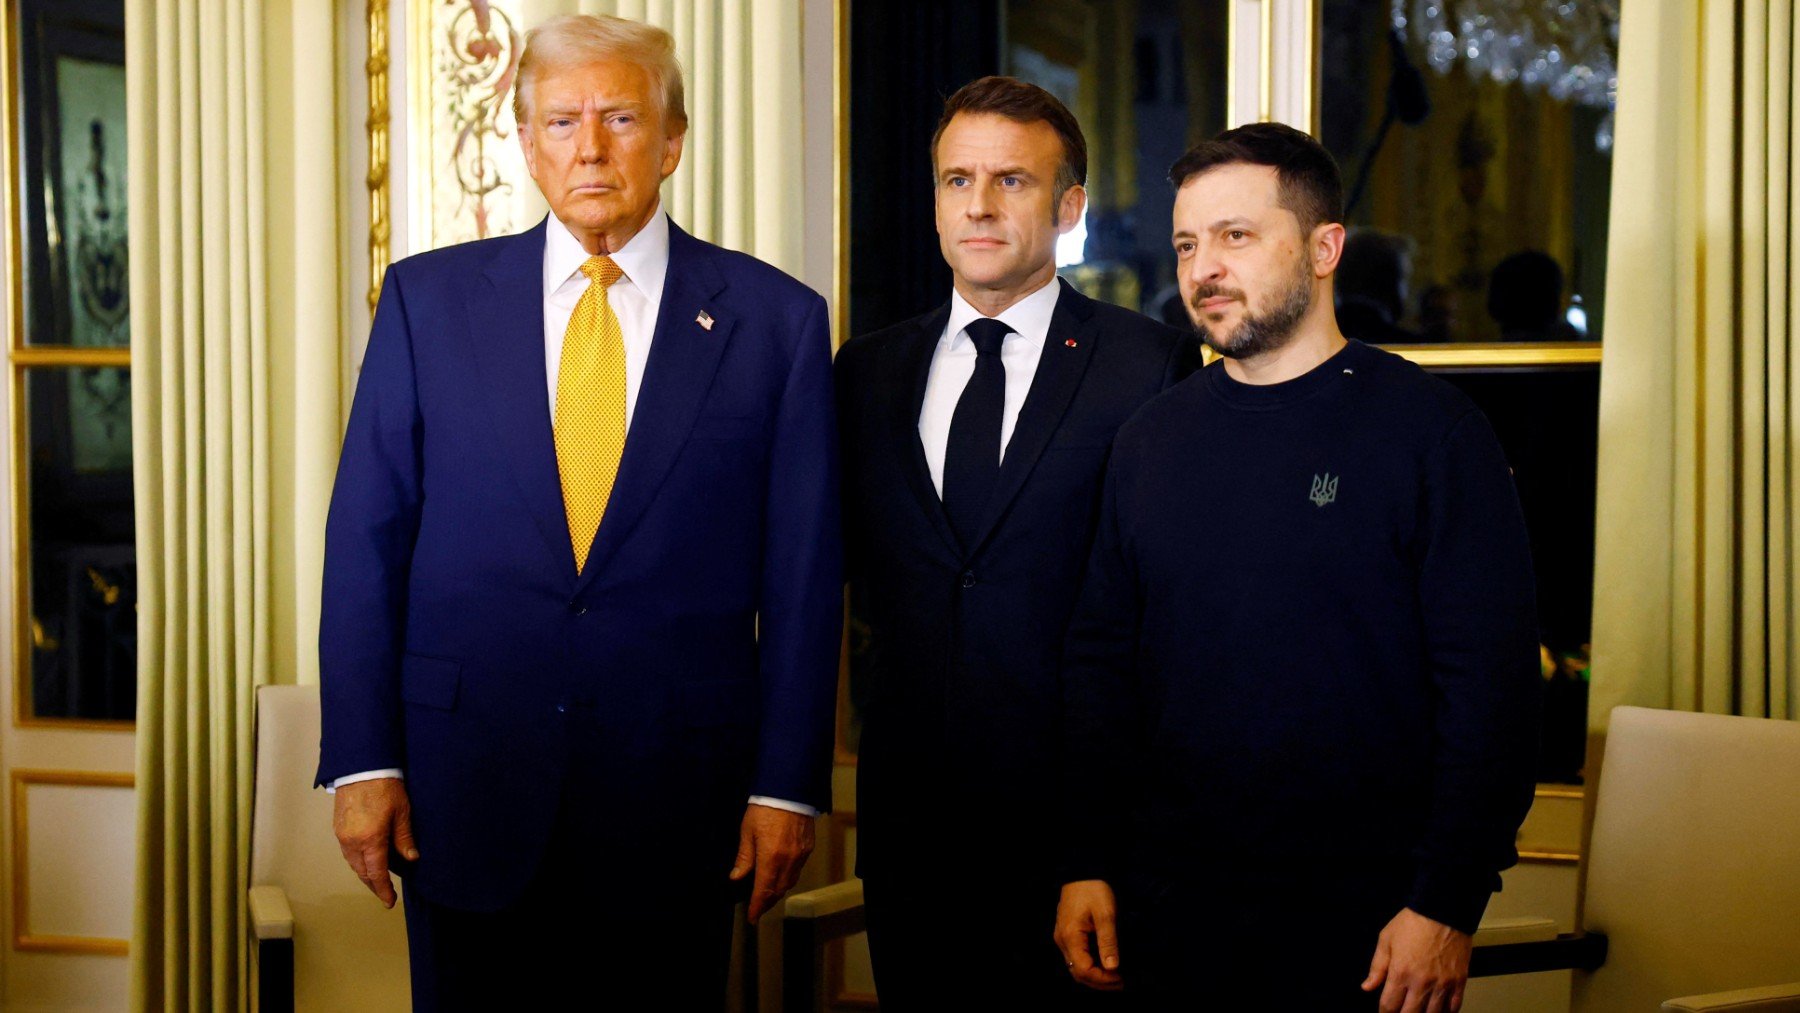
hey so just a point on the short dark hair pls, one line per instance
(1525, 290)
(1021, 102)
(1310, 186)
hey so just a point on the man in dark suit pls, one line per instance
(975, 439)
(582, 583)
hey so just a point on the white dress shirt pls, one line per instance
(953, 364)
(635, 299)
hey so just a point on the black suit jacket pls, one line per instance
(961, 646)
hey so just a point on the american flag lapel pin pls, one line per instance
(704, 320)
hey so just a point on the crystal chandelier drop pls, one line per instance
(1567, 48)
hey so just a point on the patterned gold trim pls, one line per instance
(23, 938)
(379, 224)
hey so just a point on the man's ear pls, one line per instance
(672, 154)
(1068, 211)
(1326, 248)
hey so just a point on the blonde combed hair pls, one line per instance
(571, 39)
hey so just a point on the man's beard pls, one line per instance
(1258, 333)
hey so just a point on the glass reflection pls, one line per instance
(1477, 169)
(83, 562)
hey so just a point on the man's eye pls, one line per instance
(1012, 181)
(1236, 234)
(959, 181)
(1184, 248)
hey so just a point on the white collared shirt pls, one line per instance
(635, 299)
(953, 364)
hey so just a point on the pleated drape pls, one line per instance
(234, 318)
(740, 181)
(1694, 607)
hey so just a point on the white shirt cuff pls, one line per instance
(782, 803)
(367, 775)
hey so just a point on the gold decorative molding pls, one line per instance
(840, 162)
(1500, 354)
(1559, 791)
(60, 355)
(23, 937)
(1550, 857)
(380, 225)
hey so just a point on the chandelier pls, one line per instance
(1566, 48)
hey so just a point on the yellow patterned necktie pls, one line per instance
(590, 406)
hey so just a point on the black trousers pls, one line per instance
(1256, 939)
(571, 944)
(932, 952)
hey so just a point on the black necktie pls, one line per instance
(972, 457)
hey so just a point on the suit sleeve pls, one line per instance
(369, 535)
(1476, 595)
(1099, 693)
(800, 621)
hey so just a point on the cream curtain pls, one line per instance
(1694, 605)
(740, 180)
(234, 350)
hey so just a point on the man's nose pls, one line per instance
(1205, 268)
(590, 140)
(980, 205)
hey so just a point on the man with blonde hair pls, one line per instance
(582, 585)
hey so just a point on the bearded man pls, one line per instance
(1300, 689)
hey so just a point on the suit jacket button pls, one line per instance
(562, 706)
(577, 608)
(968, 578)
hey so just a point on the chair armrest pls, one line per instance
(1767, 999)
(1503, 931)
(272, 930)
(270, 915)
(1507, 954)
(826, 900)
(810, 921)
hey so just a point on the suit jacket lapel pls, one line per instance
(683, 357)
(509, 351)
(906, 399)
(1059, 372)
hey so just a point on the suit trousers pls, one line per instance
(933, 949)
(602, 924)
(570, 945)
(1297, 938)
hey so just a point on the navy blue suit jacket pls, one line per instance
(456, 636)
(959, 645)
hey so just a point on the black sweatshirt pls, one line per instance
(1307, 636)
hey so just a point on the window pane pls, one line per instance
(83, 568)
(1475, 142)
(72, 82)
(1147, 81)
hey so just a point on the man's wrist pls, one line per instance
(367, 775)
(781, 803)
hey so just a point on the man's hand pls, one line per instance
(775, 843)
(1424, 963)
(1086, 931)
(368, 816)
